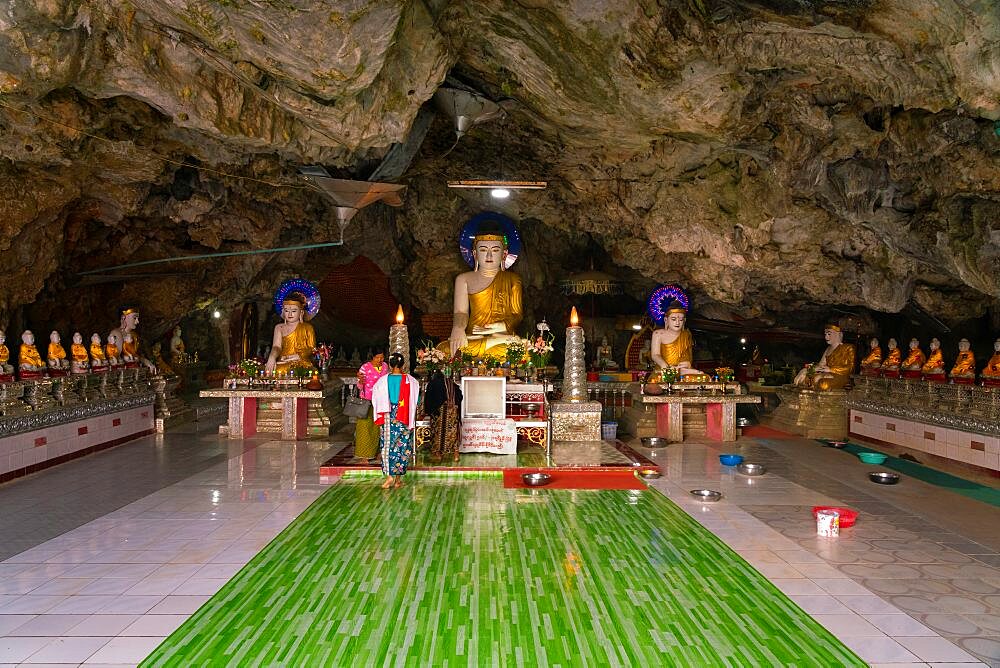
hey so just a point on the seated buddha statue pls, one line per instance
(605, 359)
(834, 369)
(127, 343)
(161, 364)
(29, 361)
(934, 365)
(6, 369)
(965, 363)
(56, 356)
(294, 339)
(894, 358)
(177, 353)
(873, 360)
(992, 370)
(112, 350)
(79, 360)
(487, 304)
(130, 352)
(98, 360)
(915, 359)
(672, 345)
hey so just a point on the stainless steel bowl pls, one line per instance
(707, 495)
(536, 479)
(649, 474)
(837, 444)
(884, 477)
(532, 409)
(654, 441)
(751, 469)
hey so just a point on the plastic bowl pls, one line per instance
(731, 460)
(872, 457)
(847, 516)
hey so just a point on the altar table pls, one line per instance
(720, 413)
(243, 410)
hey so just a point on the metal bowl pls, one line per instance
(707, 495)
(536, 479)
(652, 389)
(884, 477)
(649, 474)
(654, 441)
(837, 444)
(751, 469)
(532, 409)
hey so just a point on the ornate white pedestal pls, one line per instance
(242, 421)
(576, 420)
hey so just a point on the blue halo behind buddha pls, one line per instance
(491, 220)
(662, 299)
(299, 286)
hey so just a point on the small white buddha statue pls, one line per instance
(98, 358)
(894, 358)
(915, 359)
(79, 359)
(487, 304)
(177, 354)
(29, 360)
(934, 365)
(112, 349)
(6, 369)
(834, 369)
(874, 358)
(965, 363)
(56, 353)
(294, 338)
(672, 345)
(992, 370)
(604, 355)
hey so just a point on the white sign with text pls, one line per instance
(495, 435)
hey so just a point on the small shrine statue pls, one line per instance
(355, 357)
(341, 358)
(934, 365)
(128, 339)
(604, 355)
(161, 364)
(294, 339)
(873, 359)
(5, 367)
(29, 360)
(834, 369)
(129, 351)
(894, 358)
(177, 354)
(98, 360)
(915, 359)
(992, 370)
(672, 345)
(56, 353)
(965, 363)
(80, 361)
(111, 350)
(487, 304)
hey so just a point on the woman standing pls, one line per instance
(394, 402)
(365, 431)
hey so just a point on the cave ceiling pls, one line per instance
(775, 158)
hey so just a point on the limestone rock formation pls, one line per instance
(775, 157)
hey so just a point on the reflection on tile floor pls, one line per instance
(111, 552)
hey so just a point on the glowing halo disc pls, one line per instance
(514, 245)
(305, 288)
(660, 299)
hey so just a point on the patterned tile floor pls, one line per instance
(465, 572)
(111, 553)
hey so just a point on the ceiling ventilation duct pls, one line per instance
(465, 108)
(351, 196)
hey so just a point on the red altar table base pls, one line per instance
(935, 378)
(99, 369)
(6, 379)
(991, 382)
(914, 375)
(30, 375)
(57, 373)
(872, 372)
(131, 365)
(963, 381)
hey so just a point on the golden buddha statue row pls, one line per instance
(931, 366)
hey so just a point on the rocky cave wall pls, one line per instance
(778, 159)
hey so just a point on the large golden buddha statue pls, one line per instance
(487, 304)
(834, 369)
(915, 359)
(965, 363)
(873, 360)
(294, 338)
(992, 370)
(934, 365)
(672, 345)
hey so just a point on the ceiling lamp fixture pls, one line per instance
(500, 193)
(499, 185)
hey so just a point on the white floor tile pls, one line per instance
(935, 649)
(67, 650)
(125, 650)
(899, 625)
(154, 625)
(102, 625)
(16, 650)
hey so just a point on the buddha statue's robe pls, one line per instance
(131, 348)
(965, 365)
(4, 354)
(873, 360)
(29, 356)
(499, 302)
(892, 360)
(111, 350)
(934, 364)
(78, 353)
(915, 360)
(97, 353)
(841, 364)
(300, 342)
(57, 352)
(680, 350)
(992, 369)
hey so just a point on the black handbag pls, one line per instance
(357, 407)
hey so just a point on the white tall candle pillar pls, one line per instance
(574, 369)
(399, 340)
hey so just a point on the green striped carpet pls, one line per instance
(462, 572)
